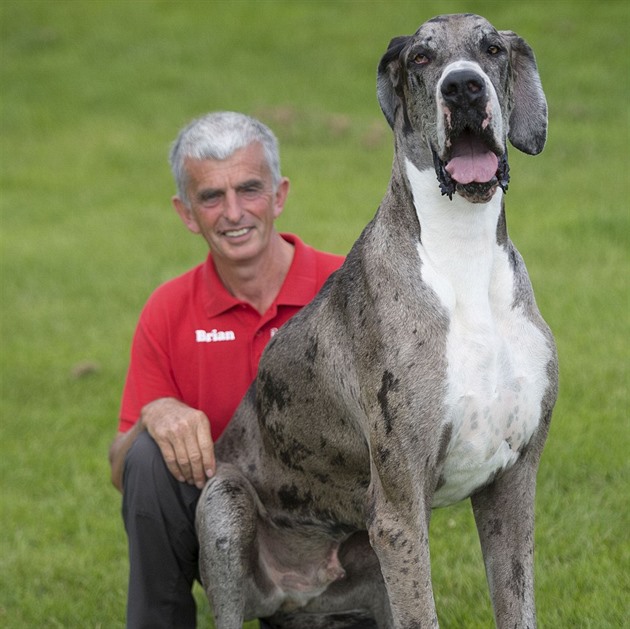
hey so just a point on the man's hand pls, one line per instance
(183, 435)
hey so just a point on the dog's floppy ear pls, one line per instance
(388, 79)
(528, 121)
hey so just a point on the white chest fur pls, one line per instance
(496, 357)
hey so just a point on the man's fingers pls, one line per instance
(183, 435)
(175, 452)
(206, 447)
(170, 458)
(200, 450)
(184, 461)
(195, 461)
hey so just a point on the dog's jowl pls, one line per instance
(421, 375)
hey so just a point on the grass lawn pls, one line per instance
(91, 95)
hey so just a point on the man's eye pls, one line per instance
(250, 193)
(209, 199)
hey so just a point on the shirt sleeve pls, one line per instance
(149, 376)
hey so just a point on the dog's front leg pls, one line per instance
(504, 514)
(399, 534)
(226, 528)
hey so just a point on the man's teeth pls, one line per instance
(235, 233)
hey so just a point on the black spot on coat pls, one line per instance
(388, 383)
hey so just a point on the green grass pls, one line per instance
(91, 95)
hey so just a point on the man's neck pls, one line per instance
(258, 281)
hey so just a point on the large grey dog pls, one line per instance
(422, 373)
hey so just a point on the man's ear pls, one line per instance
(186, 214)
(280, 198)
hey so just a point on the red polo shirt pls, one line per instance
(197, 343)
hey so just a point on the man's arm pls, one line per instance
(183, 436)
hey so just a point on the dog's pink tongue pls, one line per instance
(472, 161)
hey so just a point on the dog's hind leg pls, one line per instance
(226, 527)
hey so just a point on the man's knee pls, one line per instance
(148, 485)
(145, 476)
(143, 456)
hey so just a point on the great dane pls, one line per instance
(422, 374)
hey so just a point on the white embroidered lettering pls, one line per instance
(214, 336)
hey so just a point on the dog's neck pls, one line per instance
(458, 239)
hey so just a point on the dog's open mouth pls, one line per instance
(472, 169)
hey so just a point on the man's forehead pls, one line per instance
(244, 164)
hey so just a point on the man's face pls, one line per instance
(233, 203)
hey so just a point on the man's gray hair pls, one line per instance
(218, 136)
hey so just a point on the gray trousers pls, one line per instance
(159, 516)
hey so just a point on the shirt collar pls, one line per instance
(297, 290)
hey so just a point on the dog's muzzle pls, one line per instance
(473, 162)
(474, 191)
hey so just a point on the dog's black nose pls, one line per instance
(463, 88)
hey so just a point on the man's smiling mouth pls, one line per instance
(236, 233)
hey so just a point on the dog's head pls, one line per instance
(454, 92)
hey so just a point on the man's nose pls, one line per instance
(232, 208)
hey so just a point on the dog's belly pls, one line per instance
(298, 567)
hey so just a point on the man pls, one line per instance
(196, 350)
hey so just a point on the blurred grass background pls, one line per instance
(91, 95)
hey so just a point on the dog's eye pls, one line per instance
(421, 60)
(494, 50)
